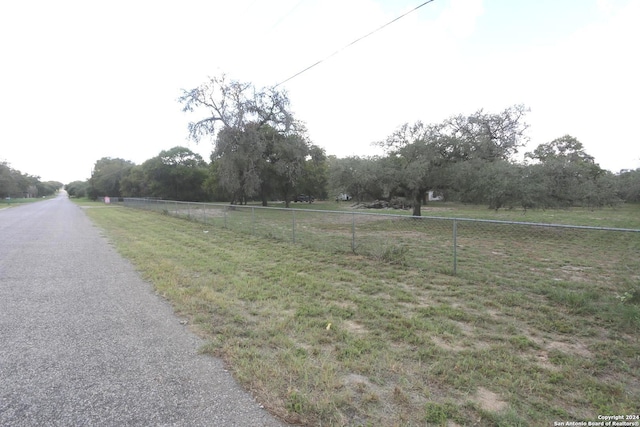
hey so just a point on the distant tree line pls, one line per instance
(15, 184)
(176, 174)
(262, 153)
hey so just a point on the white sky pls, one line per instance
(81, 80)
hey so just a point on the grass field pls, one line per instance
(622, 216)
(321, 338)
(20, 201)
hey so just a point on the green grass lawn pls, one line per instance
(20, 201)
(622, 216)
(540, 326)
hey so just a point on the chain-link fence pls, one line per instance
(485, 249)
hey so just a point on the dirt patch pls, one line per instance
(347, 305)
(446, 345)
(494, 313)
(489, 401)
(542, 359)
(354, 327)
(355, 379)
(474, 344)
(575, 273)
(570, 348)
(574, 268)
(361, 385)
(467, 329)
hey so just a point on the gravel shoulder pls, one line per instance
(85, 341)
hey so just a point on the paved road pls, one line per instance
(84, 341)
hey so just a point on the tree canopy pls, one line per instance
(426, 157)
(15, 184)
(259, 148)
(106, 177)
(177, 174)
(472, 159)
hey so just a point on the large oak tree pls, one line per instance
(259, 148)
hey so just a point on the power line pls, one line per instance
(354, 42)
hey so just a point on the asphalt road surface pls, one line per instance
(84, 341)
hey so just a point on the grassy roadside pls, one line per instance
(7, 203)
(324, 339)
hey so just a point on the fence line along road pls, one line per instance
(478, 247)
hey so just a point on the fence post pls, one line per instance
(353, 232)
(225, 217)
(455, 247)
(293, 228)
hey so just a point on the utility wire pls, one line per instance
(354, 42)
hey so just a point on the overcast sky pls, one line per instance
(81, 80)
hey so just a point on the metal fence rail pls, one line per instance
(484, 248)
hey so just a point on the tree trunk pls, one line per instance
(264, 193)
(417, 202)
(416, 208)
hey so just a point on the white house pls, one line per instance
(432, 197)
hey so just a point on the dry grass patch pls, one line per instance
(488, 400)
(577, 348)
